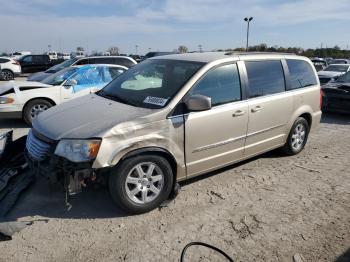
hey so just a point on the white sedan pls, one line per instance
(28, 99)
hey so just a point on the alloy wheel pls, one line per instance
(144, 182)
(298, 136)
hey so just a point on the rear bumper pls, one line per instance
(316, 119)
(336, 102)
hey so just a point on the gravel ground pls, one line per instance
(266, 209)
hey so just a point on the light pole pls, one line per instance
(136, 48)
(248, 20)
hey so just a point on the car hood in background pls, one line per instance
(4, 87)
(22, 85)
(85, 117)
(337, 86)
(329, 73)
(38, 76)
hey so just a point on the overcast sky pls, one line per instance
(31, 25)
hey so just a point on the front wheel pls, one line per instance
(297, 137)
(34, 108)
(7, 75)
(141, 183)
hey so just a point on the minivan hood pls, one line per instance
(85, 117)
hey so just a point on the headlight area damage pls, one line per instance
(15, 176)
(67, 162)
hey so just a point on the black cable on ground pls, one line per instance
(205, 245)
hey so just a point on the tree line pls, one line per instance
(334, 52)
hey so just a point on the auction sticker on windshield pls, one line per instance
(155, 100)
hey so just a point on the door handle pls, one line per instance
(256, 109)
(238, 113)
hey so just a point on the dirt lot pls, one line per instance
(265, 209)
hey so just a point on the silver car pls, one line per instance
(173, 117)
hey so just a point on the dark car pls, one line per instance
(336, 95)
(42, 75)
(153, 54)
(36, 63)
(107, 60)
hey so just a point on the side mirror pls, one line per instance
(70, 82)
(198, 103)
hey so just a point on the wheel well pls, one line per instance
(42, 98)
(308, 118)
(7, 69)
(155, 151)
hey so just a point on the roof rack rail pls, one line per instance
(257, 53)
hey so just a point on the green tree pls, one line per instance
(113, 50)
(182, 49)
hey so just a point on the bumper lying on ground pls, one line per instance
(14, 173)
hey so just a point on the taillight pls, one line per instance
(14, 62)
(321, 98)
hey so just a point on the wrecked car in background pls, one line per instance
(336, 95)
(173, 117)
(332, 72)
(25, 99)
(319, 63)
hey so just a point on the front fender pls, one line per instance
(164, 135)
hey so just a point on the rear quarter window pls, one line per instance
(265, 77)
(4, 60)
(83, 62)
(123, 62)
(301, 74)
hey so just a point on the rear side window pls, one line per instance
(102, 60)
(4, 60)
(301, 74)
(221, 84)
(38, 59)
(265, 78)
(27, 59)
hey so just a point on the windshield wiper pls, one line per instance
(116, 98)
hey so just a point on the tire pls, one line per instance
(297, 138)
(33, 108)
(130, 196)
(7, 75)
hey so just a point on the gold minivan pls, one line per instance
(173, 117)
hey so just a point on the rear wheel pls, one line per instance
(34, 108)
(141, 183)
(7, 75)
(297, 137)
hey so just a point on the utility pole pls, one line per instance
(248, 20)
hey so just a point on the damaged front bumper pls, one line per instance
(41, 157)
(73, 176)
